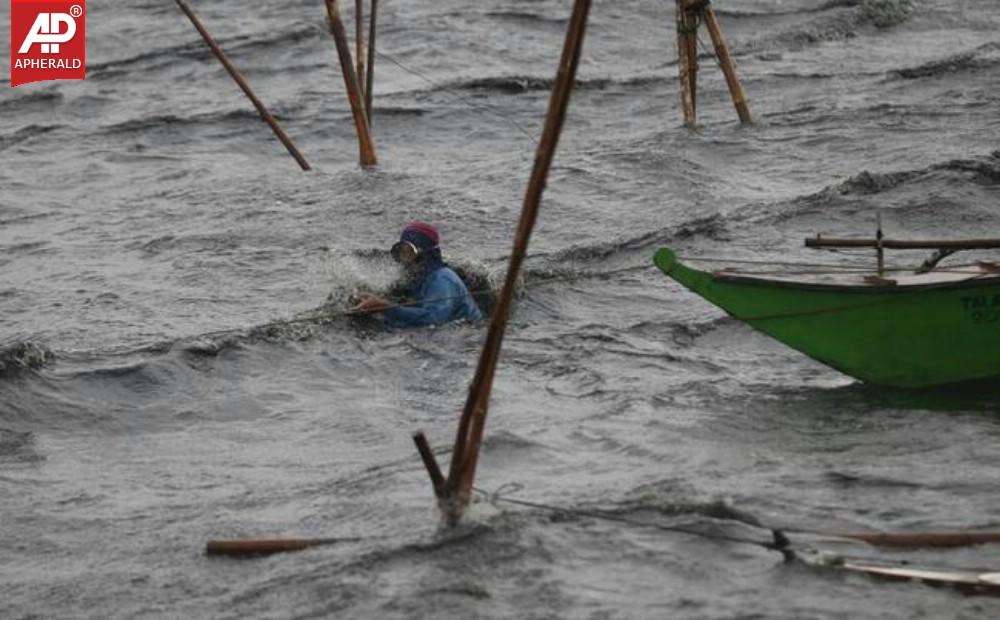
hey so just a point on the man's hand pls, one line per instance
(370, 303)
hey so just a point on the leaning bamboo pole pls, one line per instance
(455, 495)
(365, 143)
(244, 86)
(359, 42)
(726, 62)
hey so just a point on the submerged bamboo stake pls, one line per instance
(924, 539)
(370, 78)
(244, 86)
(692, 56)
(248, 548)
(359, 42)
(684, 64)
(726, 62)
(427, 455)
(879, 248)
(365, 143)
(457, 490)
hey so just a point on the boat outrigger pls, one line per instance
(926, 328)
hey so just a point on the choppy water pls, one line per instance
(155, 240)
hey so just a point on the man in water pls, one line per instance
(438, 295)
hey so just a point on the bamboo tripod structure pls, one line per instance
(691, 13)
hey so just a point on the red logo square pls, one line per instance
(48, 40)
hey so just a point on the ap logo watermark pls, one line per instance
(47, 40)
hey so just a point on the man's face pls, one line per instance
(407, 254)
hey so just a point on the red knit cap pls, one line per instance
(425, 229)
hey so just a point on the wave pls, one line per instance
(24, 355)
(744, 13)
(382, 111)
(983, 57)
(17, 447)
(240, 115)
(24, 134)
(32, 100)
(197, 50)
(856, 193)
(524, 16)
(516, 84)
(711, 226)
(985, 171)
(842, 20)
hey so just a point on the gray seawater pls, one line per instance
(156, 244)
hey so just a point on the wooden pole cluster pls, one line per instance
(244, 86)
(354, 93)
(690, 13)
(454, 492)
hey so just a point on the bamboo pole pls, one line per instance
(691, 37)
(726, 62)
(370, 78)
(244, 86)
(427, 455)
(458, 488)
(879, 248)
(248, 548)
(684, 65)
(898, 244)
(365, 143)
(924, 539)
(359, 42)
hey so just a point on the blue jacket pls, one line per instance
(439, 297)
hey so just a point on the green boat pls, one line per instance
(911, 331)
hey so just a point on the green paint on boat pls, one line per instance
(903, 336)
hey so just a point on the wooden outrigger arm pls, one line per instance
(898, 244)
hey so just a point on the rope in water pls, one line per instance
(325, 315)
(801, 268)
(779, 542)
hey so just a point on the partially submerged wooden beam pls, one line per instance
(267, 546)
(365, 143)
(455, 494)
(244, 86)
(897, 244)
(916, 540)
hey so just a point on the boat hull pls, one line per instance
(913, 336)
